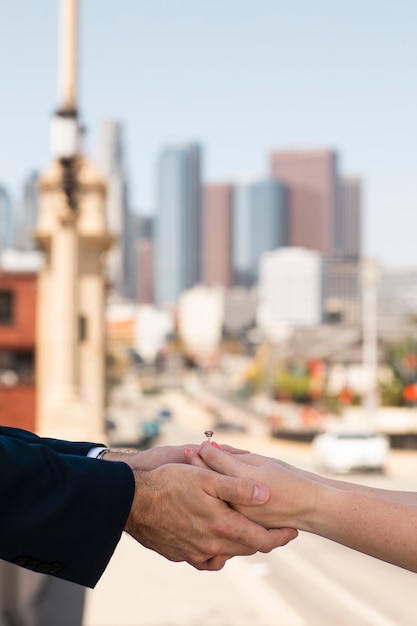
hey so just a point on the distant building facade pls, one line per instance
(177, 260)
(348, 226)
(145, 261)
(397, 293)
(133, 222)
(17, 349)
(260, 224)
(145, 271)
(269, 224)
(111, 161)
(343, 291)
(200, 321)
(241, 236)
(217, 235)
(29, 212)
(6, 220)
(240, 306)
(291, 289)
(311, 179)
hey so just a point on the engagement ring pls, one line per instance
(209, 434)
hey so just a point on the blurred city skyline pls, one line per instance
(242, 79)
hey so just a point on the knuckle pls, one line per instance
(199, 566)
(210, 547)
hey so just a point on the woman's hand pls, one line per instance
(293, 492)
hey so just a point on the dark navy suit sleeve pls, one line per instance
(59, 445)
(61, 513)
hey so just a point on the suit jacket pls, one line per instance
(61, 513)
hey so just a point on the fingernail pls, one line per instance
(216, 445)
(187, 452)
(261, 493)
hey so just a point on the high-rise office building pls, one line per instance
(6, 220)
(133, 222)
(28, 218)
(311, 179)
(217, 235)
(259, 225)
(111, 161)
(178, 223)
(145, 271)
(242, 236)
(269, 225)
(343, 288)
(145, 259)
(147, 227)
(348, 218)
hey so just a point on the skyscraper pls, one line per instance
(130, 242)
(348, 218)
(217, 235)
(145, 273)
(311, 179)
(6, 220)
(241, 238)
(110, 159)
(178, 222)
(260, 224)
(28, 214)
(145, 248)
(269, 225)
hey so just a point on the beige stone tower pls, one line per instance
(71, 292)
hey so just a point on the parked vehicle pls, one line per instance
(164, 414)
(343, 451)
(227, 425)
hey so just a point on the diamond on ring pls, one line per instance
(209, 434)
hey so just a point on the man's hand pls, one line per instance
(161, 455)
(152, 458)
(182, 512)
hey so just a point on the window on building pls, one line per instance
(82, 328)
(6, 307)
(17, 367)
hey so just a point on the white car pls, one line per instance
(342, 451)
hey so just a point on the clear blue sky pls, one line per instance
(243, 77)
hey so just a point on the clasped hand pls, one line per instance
(182, 511)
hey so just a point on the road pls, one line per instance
(310, 582)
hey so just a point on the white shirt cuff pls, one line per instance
(93, 453)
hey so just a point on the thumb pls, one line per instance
(236, 487)
(237, 491)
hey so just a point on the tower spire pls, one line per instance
(65, 130)
(68, 63)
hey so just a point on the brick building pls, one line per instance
(17, 349)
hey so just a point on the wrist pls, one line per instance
(323, 499)
(118, 456)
